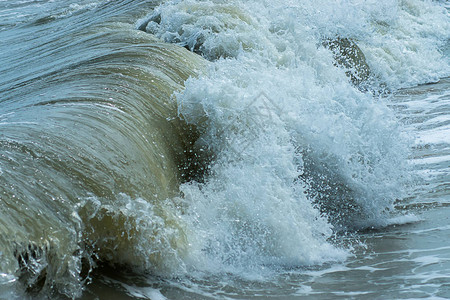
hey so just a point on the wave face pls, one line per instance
(245, 154)
(91, 149)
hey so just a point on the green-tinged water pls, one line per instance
(406, 261)
(208, 150)
(88, 125)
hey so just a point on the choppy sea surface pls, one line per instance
(224, 149)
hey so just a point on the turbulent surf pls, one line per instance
(202, 137)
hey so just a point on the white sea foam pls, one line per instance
(402, 219)
(403, 41)
(296, 150)
(281, 120)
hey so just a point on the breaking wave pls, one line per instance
(249, 150)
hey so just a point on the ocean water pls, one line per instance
(224, 149)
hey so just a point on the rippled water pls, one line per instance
(224, 150)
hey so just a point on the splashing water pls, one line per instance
(297, 149)
(246, 158)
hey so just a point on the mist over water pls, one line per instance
(205, 142)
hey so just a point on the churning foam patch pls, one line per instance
(403, 41)
(282, 120)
